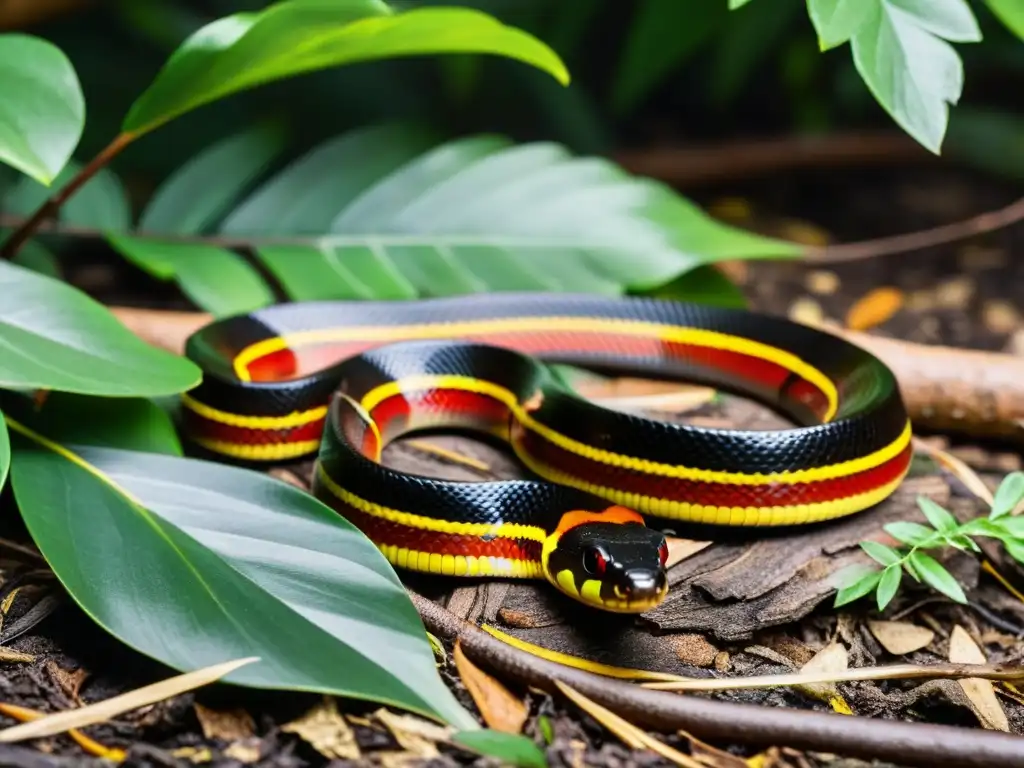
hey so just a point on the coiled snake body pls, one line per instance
(339, 380)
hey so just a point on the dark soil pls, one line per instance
(964, 293)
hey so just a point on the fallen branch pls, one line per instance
(912, 744)
(946, 389)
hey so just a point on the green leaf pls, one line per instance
(56, 337)
(888, 585)
(203, 189)
(480, 214)
(37, 257)
(937, 577)
(101, 202)
(836, 21)
(857, 589)
(1012, 526)
(909, 533)
(1011, 13)
(130, 423)
(902, 55)
(1008, 495)
(5, 451)
(193, 563)
(705, 285)
(734, 4)
(664, 33)
(940, 519)
(510, 748)
(880, 553)
(289, 38)
(216, 279)
(1015, 549)
(42, 109)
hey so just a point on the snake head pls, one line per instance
(609, 560)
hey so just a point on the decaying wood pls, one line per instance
(946, 389)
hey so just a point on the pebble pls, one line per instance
(822, 282)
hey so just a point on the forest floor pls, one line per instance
(736, 608)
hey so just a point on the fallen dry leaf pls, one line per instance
(900, 637)
(11, 655)
(246, 752)
(681, 549)
(500, 709)
(874, 308)
(417, 737)
(326, 731)
(830, 660)
(957, 468)
(981, 693)
(70, 682)
(229, 725)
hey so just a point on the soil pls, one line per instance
(963, 294)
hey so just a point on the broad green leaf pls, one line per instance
(1015, 549)
(100, 203)
(705, 285)
(909, 533)
(836, 21)
(888, 585)
(5, 451)
(216, 279)
(1008, 495)
(129, 423)
(937, 577)
(510, 748)
(289, 38)
(902, 54)
(880, 553)
(857, 589)
(193, 563)
(322, 274)
(203, 189)
(663, 34)
(42, 109)
(734, 4)
(1011, 13)
(54, 336)
(1012, 526)
(940, 519)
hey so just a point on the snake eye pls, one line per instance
(663, 552)
(594, 561)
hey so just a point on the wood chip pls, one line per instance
(981, 693)
(10, 655)
(229, 725)
(324, 729)
(901, 637)
(807, 311)
(822, 282)
(874, 308)
(694, 650)
(500, 709)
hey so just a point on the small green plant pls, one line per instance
(945, 531)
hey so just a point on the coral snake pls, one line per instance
(339, 380)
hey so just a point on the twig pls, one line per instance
(745, 159)
(913, 744)
(915, 241)
(27, 228)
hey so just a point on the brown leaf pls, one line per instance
(982, 695)
(324, 729)
(417, 737)
(70, 682)
(874, 308)
(500, 709)
(230, 725)
(831, 659)
(900, 637)
(244, 751)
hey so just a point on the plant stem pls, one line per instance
(50, 208)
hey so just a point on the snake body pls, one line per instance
(340, 380)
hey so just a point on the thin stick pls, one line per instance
(50, 208)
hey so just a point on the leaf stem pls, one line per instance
(50, 208)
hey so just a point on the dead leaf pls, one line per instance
(247, 751)
(874, 308)
(11, 655)
(326, 731)
(500, 709)
(901, 637)
(694, 649)
(982, 695)
(832, 659)
(195, 755)
(229, 725)
(630, 735)
(957, 468)
(102, 711)
(417, 737)
(681, 549)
